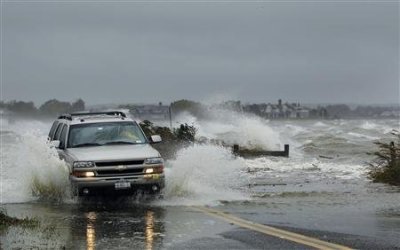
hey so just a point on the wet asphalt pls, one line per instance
(119, 224)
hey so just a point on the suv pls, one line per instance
(107, 151)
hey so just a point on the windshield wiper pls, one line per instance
(119, 142)
(88, 144)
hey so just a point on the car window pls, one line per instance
(58, 132)
(53, 129)
(106, 133)
(59, 126)
(63, 136)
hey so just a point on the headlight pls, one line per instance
(149, 170)
(154, 170)
(83, 174)
(156, 160)
(84, 164)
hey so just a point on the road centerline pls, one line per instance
(271, 231)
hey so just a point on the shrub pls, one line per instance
(185, 133)
(173, 139)
(150, 129)
(385, 168)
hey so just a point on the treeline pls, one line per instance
(195, 108)
(280, 110)
(51, 107)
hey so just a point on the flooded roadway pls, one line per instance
(120, 223)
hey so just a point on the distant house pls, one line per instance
(302, 113)
(279, 111)
(150, 112)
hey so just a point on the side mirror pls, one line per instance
(155, 139)
(55, 143)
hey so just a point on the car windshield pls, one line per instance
(106, 133)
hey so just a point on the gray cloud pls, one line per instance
(136, 52)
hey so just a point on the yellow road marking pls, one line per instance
(283, 234)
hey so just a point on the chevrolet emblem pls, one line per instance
(121, 167)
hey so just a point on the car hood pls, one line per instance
(113, 152)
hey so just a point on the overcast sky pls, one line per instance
(130, 52)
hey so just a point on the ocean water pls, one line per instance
(328, 159)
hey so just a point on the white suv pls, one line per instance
(107, 151)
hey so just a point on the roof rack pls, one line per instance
(111, 113)
(65, 116)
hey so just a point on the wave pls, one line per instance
(235, 128)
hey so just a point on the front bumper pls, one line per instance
(142, 182)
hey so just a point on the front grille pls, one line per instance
(122, 172)
(117, 163)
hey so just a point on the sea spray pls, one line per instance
(204, 174)
(32, 169)
(235, 128)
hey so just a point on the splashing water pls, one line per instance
(235, 128)
(30, 168)
(203, 174)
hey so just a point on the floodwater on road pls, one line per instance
(322, 187)
(121, 223)
(107, 224)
